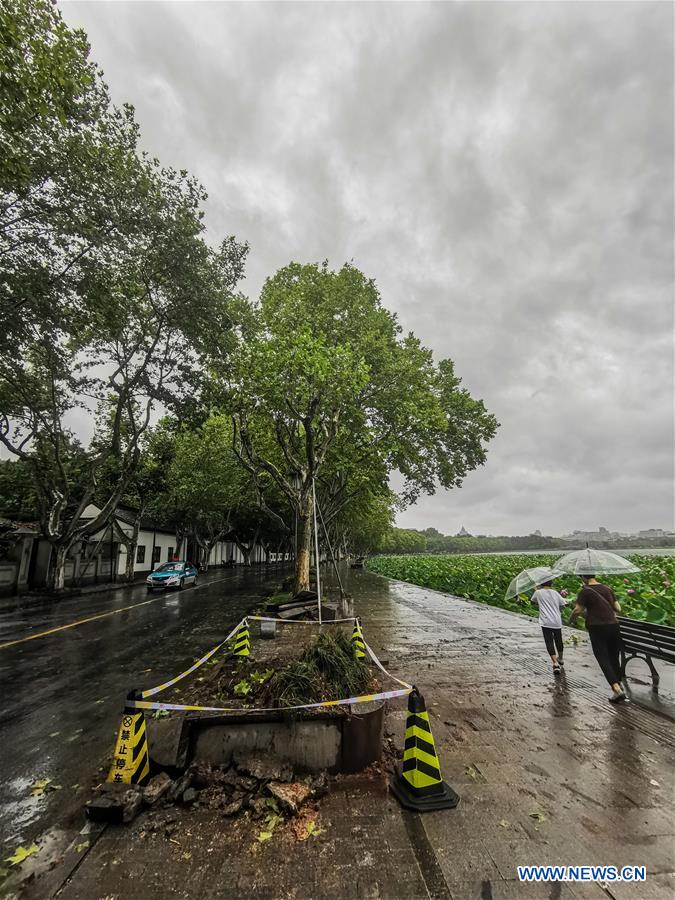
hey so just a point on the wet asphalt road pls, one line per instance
(61, 694)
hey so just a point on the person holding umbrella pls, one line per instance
(598, 604)
(549, 602)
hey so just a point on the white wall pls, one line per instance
(164, 542)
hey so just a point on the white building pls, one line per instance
(602, 535)
(103, 556)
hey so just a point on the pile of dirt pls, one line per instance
(288, 671)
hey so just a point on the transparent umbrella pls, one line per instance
(594, 562)
(528, 579)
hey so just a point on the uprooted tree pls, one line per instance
(324, 380)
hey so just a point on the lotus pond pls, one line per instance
(648, 595)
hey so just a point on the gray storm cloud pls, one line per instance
(503, 170)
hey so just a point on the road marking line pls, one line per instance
(113, 612)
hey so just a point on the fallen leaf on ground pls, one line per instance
(272, 821)
(82, 846)
(186, 855)
(22, 853)
(304, 825)
(471, 772)
(264, 836)
(538, 816)
(38, 787)
(504, 823)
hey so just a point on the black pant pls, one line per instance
(551, 636)
(606, 644)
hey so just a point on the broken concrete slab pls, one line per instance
(156, 788)
(168, 742)
(233, 808)
(179, 787)
(290, 796)
(189, 796)
(116, 808)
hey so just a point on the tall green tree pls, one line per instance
(17, 496)
(113, 300)
(325, 369)
(402, 540)
(206, 484)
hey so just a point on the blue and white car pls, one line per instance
(171, 575)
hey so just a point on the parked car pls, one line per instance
(171, 575)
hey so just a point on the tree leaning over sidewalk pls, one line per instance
(324, 368)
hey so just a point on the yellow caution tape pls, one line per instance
(381, 667)
(302, 621)
(150, 692)
(200, 662)
(183, 707)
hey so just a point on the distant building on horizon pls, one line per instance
(463, 533)
(602, 535)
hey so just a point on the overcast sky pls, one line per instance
(505, 173)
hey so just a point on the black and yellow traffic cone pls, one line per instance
(242, 642)
(420, 785)
(131, 759)
(357, 641)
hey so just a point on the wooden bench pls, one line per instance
(644, 640)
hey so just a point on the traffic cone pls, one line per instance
(242, 643)
(357, 641)
(131, 760)
(420, 785)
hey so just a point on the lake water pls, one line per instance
(654, 551)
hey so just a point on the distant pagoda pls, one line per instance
(463, 533)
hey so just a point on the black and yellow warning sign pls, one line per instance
(357, 642)
(420, 785)
(131, 760)
(242, 642)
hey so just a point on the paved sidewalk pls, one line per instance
(548, 773)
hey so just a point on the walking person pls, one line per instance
(550, 602)
(598, 604)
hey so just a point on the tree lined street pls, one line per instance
(119, 307)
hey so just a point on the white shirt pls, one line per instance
(550, 603)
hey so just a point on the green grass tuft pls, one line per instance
(327, 670)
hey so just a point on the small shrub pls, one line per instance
(327, 670)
